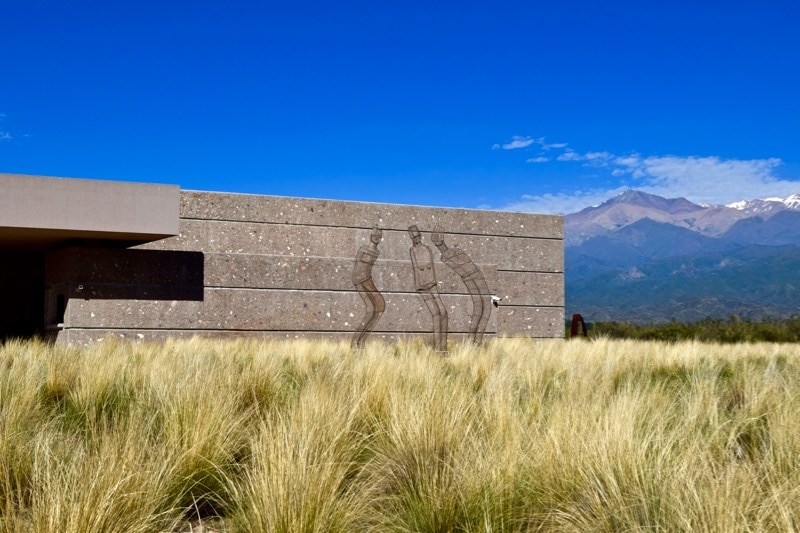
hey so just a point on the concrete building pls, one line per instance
(82, 260)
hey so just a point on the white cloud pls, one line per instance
(593, 158)
(563, 203)
(538, 159)
(708, 179)
(598, 156)
(517, 141)
(569, 155)
(554, 145)
(4, 135)
(549, 146)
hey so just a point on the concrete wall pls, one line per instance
(261, 265)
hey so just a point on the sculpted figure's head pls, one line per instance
(414, 233)
(376, 235)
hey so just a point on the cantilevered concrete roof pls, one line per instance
(38, 212)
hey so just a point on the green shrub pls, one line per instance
(733, 330)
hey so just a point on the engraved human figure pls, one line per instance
(473, 278)
(362, 279)
(425, 284)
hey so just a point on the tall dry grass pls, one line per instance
(520, 435)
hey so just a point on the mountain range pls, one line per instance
(642, 258)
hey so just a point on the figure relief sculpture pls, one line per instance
(473, 278)
(425, 284)
(362, 279)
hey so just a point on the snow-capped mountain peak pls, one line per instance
(641, 257)
(767, 205)
(631, 206)
(792, 202)
(740, 205)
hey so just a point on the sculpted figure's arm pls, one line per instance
(438, 238)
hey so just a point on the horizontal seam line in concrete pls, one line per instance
(248, 288)
(337, 291)
(90, 285)
(374, 332)
(349, 258)
(491, 266)
(400, 230)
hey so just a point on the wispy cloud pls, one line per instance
(595, 158)
(561, 202)
(708, 179)
(517, 141)
(569, 155)
(4, 135)
(549, 146)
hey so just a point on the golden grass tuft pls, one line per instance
(517, 435)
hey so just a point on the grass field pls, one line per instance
(519, 435)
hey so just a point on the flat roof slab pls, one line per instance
(37, 211)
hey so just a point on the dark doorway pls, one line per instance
(22, 308)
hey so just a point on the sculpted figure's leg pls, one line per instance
(481, 307)
(378, 306)
(375, 306)
(439, 316)
(443, 324)
(360, 334)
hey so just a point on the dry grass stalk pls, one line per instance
(518, 435)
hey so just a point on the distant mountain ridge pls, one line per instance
(630, 206)
(643, 258)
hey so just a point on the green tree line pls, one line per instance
(731, 330)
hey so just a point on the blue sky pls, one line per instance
(535, 106)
